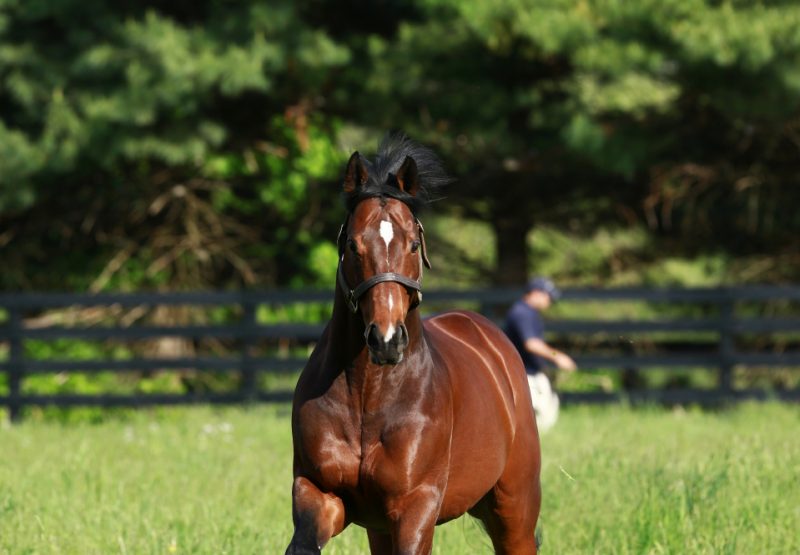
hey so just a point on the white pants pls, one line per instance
(545, 401)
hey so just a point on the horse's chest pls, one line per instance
(344, 461)
(365, 457)
(399, 455)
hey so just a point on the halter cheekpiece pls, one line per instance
(353, 295)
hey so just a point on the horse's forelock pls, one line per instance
(381, 183)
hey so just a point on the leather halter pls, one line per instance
(352, 296)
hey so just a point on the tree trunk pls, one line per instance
(512, 251)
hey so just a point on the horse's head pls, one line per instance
(382, 250)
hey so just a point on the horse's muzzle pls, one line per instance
(386, 349)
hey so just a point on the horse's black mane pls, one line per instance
(393, 150)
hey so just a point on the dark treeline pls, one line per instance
(199, 144)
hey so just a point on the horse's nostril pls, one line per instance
(402, 335)
(374, 340)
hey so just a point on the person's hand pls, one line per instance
(565, 362)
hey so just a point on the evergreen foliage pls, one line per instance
(197, 144)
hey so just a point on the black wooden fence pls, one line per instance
(735, 330)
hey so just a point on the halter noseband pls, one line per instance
(353, 295)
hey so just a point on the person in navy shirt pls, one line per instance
(525, 327)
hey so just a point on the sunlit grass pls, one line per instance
(201, 480)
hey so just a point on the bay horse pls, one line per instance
(400, 423)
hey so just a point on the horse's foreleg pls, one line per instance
(318, 516)
(413, 521)
(379, 543)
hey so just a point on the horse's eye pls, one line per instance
(352, 246)
(414, 246)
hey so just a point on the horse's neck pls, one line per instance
(346, 331)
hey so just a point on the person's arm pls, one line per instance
(539, 348)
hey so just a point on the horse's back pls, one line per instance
(491, 403)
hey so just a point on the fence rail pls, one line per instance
(721, 319)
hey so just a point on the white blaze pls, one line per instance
(387, 232)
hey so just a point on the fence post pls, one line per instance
(16, 368)
(727, 346)
(249, 383)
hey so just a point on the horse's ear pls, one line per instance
(356, 175)
(408, 177)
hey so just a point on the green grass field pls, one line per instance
(217, 481)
